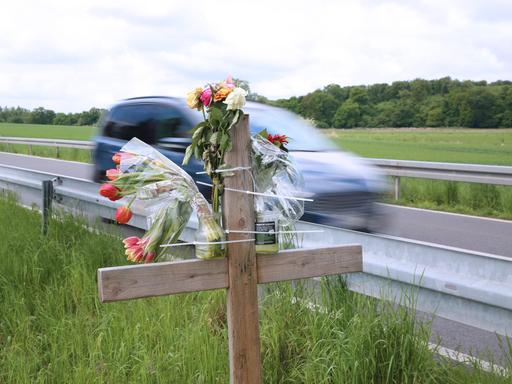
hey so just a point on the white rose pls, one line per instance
(236, 99)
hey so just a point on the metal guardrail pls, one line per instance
(470, 173)
(56, 143)
(469, 287)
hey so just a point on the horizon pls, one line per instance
(272, 100)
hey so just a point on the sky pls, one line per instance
(71, 55)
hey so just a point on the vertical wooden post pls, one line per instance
(242, 296)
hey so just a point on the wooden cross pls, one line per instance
(239, 273)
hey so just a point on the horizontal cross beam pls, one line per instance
(138, 281)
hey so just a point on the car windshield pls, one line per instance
(303, 136)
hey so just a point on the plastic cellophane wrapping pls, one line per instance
(169, 196)
(275, 174)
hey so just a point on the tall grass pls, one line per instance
(54, 330)
(469, 198)
(72, 154)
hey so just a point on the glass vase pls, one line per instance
(209, 230)
(266, 227)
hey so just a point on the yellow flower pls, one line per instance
(193, 98)
(221, 94)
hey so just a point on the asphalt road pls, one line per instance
(478, 234)
(462, 231)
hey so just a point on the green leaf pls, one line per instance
(224, 141)
(198, 133)
(215, 116)
(188, 154)
(197, 152)
(263, 133)
(235, 118)
(201, 124)
(214, 138)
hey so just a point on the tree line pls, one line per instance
(47, 116)
(443, 102)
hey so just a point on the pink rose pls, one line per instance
(206, 96)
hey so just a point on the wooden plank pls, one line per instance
(304, 263)
(242, 295)
(146, 280)
(138, 281)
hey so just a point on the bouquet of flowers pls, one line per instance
(170, 195)
(221, 105)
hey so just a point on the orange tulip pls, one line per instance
(118, 156)
(112, 174)
(123, 215)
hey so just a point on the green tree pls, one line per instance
(320, 107)
(41, 115)
(359, 95)
(477, 108)
(348, 115)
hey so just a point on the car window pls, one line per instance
(148, 122)
(303, 136)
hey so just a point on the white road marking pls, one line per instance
(468, 359)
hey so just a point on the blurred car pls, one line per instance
(343, 187)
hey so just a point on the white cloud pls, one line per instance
(71, 55)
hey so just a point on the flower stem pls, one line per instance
(216, 194)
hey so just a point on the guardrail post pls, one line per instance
(57, 151)
(397, 187)
(47, 205)
(30, 149)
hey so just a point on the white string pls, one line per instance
(259, 193)
(309, 231)
(224, 170)
(205, 243)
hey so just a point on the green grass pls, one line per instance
(478, 146)
(54, 330)
(47, 131)
(72, 154)
(467, 198)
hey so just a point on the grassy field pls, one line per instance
(478, 146)
(47, 131)
(54, 330)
